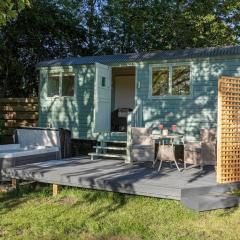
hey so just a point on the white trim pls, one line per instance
(95, 98)
(170, 65)
(110, 105)
(137, 83)
(169, 80)
(60, 84)
(137, 86)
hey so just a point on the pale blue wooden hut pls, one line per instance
(168, 87)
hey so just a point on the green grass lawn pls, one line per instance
(87, 214)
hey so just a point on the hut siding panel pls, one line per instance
(74, 113)
(190, 114)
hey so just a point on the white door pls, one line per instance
(102, 98)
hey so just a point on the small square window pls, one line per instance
(103, 83)
(181, 80)
(68, 85)
(53, 85)
(160, 76)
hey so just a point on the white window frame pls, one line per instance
(60, 73)
(170, 67)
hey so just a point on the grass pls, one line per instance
(87, 214)
(235, 192)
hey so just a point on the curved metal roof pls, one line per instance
(150, 56)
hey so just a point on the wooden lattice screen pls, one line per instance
(228, 150)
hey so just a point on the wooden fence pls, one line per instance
(228, 152)
(16, 112)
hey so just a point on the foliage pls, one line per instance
(150, 25)
(9, 9)
(43, 31)
(86, 214)
(37, 30)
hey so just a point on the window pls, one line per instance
(170, 80)
(68, 85)
(103, 82)
(181, 80)
(61, 84)
(160, 78)
(53, 85)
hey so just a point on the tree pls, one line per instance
(35, 30)
(44, 31)
(9, 9)
(138, 25)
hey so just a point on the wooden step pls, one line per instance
(108, 155)
(113, 141)
(111, 148)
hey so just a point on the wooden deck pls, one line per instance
(114, 175)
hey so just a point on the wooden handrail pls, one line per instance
(134, 119)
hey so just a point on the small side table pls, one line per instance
(166, 152)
